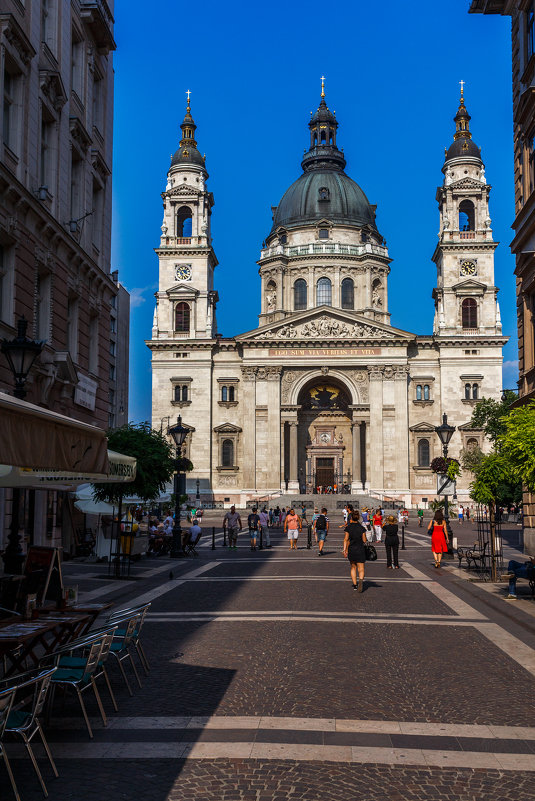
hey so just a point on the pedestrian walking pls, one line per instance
(366, 523)
(439, 536)
(292, 525)
(232, 523)
(283, 516)
(277, 516)
(321, 529)
(263, 522)
(270, 516)
(378, 524)
(354, 540)
(460, 513)
(252, 521)
(420, 517)
(391, 542)
(303, 512)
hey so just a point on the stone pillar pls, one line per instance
(365, 452)
(402, 429)
(293, 485)
(273, 423)
(282, 456)
(356, 483)
(248, 393)
(376, 429)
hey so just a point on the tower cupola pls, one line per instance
(323, 152)
(463, 144)
(187, 152)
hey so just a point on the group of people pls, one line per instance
(258, 525)
(161, 533)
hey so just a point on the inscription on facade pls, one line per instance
(324, 352)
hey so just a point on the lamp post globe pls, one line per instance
(179, 433)
(445, 432)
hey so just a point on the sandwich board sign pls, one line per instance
(445, 486)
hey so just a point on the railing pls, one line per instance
(467, 234)
(470, 331)
(314, 248)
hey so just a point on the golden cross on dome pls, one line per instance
(323, 85)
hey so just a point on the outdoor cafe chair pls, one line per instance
(25, 722)
(80, 678)
(122, 639)
(6, 701)
(136, 637)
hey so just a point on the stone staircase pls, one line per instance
(333, 503)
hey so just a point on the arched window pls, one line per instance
(182, 315)
(323, 137)
(467, 391)
(418, 392)
(324, 292)
(224, 394)
(348, 294)
(300, 294)
(227, 453)
(466, 216)
(184, 393)
(183, 221)
(177, 394)
(475, 391)
(423, 453)
(469, 313)
(472, 444)
(426, 391)
(231, 393)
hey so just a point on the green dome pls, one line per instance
(307, 202)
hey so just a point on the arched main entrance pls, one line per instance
(324, 436)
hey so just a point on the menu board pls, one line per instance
(43, 573)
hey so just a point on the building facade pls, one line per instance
(56, 119)
(522, 13)
(326, 392)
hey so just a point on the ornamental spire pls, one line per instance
(188, 126)
(462, 119)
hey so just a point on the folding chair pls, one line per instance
(136, 637)
(25, 722)
(6, 702)
(120, 647)
(190, 546)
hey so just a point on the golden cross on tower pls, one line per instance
(188, 94)
(323, 85)
(462, 89)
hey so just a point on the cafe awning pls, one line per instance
(33, 437)
(121, 469)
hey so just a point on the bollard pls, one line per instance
(224, 538)
(260, 544)
(403, 538)
(213, 538)
(309, 537)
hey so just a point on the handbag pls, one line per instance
(371, 553)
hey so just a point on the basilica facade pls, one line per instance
(326, 392)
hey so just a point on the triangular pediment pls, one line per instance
(326, 323)
(227, 428)
(182, 289)
(468, 183)
(423, 427)
(183, 189)
(468, 427)
(470, 285)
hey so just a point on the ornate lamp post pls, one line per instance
(20, 353)
(179, 434)
(445, 432)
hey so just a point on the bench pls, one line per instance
(473, 555)
(530, 579)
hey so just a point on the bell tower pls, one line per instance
(186, 300)
(465, 295)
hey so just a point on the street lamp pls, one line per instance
(179, 434)
(20, 353)
(198, 492)
(445, 432)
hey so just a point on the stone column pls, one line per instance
(273, 423)
(248, 393)
(365, 442)
(402, 429)
(376, 429)
(293, 485)
(356, 483)
(282, 457)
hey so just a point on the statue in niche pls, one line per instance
(376, 299)
(271, 300)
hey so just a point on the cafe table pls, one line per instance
(91, 610)
(25, 642)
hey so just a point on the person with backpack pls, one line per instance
(252, 521)
(321, 529)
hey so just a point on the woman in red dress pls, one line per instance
(439, 536)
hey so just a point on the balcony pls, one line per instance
(323, 248)
(467, 234)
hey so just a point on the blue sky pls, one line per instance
(392, 75)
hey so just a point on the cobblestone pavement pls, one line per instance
(272, 679)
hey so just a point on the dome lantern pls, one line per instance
(187, 152)
(323, 152)
(463, 145)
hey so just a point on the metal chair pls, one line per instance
(80, 678)
(25, 722)
(136, 637)
(6, 702)
(120, 647)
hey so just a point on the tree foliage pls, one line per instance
(155, 463)
(517, 443)
(493, 472)
(489, 415)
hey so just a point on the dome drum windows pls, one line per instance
(348, 294)
(181, 391)
(300, 294)
(324, 292)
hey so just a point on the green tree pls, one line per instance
(517, 443)
(155, 463)
(490, 414)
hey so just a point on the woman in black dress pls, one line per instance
(354, 549)
(391, 542)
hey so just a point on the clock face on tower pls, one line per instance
(183, 272)
(468, 267)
